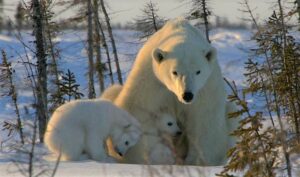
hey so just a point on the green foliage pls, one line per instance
(8, 89)
(149, 22)
(272, 73)
(20, 16)
(69, 87)
(255, 151)
(200, 10)
(68, 90)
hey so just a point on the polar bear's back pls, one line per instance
(174, 31)
(112, 92)
(68, 123)
(80, 113)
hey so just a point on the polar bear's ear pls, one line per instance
(211, 54)
(158, 55)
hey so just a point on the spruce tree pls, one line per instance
(8, 88)
(149, 22)
(20, 16)
(69, 87)
(256, 150)
(273, 78)
(201, 11)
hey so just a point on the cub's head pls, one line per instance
(183, 67)
(125, 137)
(168, 124)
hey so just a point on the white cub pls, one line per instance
(112, 92)
(82, 127)
(158, 144)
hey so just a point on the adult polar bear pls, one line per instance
(177, 61)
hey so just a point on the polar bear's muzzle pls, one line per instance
(118, 151)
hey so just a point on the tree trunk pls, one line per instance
(41, 106)
(112, 42)
(298, 9)
(91, 91)
(205, 15)
(53, 57)
(98, 48)
(290, 95)
(107, 52)
(153, 17)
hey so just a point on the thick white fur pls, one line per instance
(158, 151)
(82, 126)
(157, 144)
(151, 85)
(111, 92)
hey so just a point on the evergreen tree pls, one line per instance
(256, 149)
(149, 22)
(69, 87)
(20, 16)
(8, 88)
(273, 75)
(200, 10)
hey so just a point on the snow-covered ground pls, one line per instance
(231, 45)
(93, 169)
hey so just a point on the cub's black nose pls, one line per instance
(187, 96)
(178, 133)
(120, 153)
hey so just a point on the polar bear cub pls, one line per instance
(112, 92)
(82, 126)
(159, 147)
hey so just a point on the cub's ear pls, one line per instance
(211, 54)
(158, 55)
(136, 134)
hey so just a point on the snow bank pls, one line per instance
(94, 169)
(5, 38)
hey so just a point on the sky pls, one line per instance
(123, 11)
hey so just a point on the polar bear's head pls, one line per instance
(125, 137)
(183, 60)
(168, 124)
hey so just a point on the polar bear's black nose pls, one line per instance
(187, 96)
(178, 133)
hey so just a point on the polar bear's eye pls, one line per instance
(208, 55)
(160, 56)
(198, 72)
(126, 143)
(174, 73)
(170, 123)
